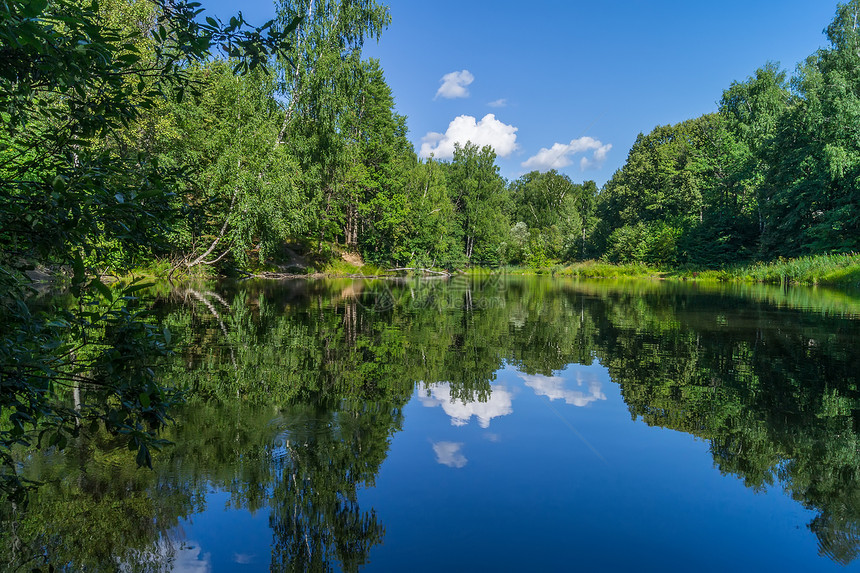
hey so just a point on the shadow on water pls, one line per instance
(295, 389)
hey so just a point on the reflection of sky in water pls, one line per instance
(224, 539)
(449, 454)
(553, 387)
(528, 492)
(498, 404)
(531, 486)
(500, 401)
(588, 389)
(191, 559)
(184, 556)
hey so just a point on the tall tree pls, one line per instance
(813, 184)
(318, 80)
(433, 236)
(754, 110)
(480, 197)
(558, 209)
(242, 199)
(381, 156)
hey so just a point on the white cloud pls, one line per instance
(553, 387)
(559, 155)
(597, 159)
(500, 403)
(454, 85)
(449, 454)
(463, 129)
(499, 103)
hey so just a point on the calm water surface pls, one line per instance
(495, 425)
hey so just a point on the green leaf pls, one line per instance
(143, 457)
(34, 8)
(136, 287)
(78, 269)
(166, 333)
(293, 25)
(144, 399)
(102, 288)
(59, 184)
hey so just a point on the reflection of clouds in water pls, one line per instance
(553, 388)
(498, 404)
(449, 454)
(243, 558)
(189, 558)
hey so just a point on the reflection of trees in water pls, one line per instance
(296, 389)
(774, 393)
(838, 538)
(315, 517)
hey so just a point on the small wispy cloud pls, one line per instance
(499, 103)
(597, 160)
(560, 155)
(454, 85)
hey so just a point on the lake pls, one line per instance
(495, 424)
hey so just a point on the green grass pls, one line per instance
(842, 270)
(155, 269)
(587, 269)
(599, 269)
(826, 270)
(341, 268)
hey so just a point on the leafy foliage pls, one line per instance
(71, 79)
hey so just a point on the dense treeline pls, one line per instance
(775, 172)
(82, 87)
(311, 157)
(317, 158)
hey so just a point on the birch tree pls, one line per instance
(319, 77)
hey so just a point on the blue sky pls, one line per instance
(570, 84)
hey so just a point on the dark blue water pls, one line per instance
(502, 426)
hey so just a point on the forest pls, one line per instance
(301, 155)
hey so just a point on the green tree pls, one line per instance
(70, 78)
(681, 197)
(320, 79)
(812, 184)
(433, 238)
(480, 198)
(754, 110)
(559, 209)
(243, 197)
(377, 211)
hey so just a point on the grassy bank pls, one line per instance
(830, 270)
(585, 269)
(842, 270)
